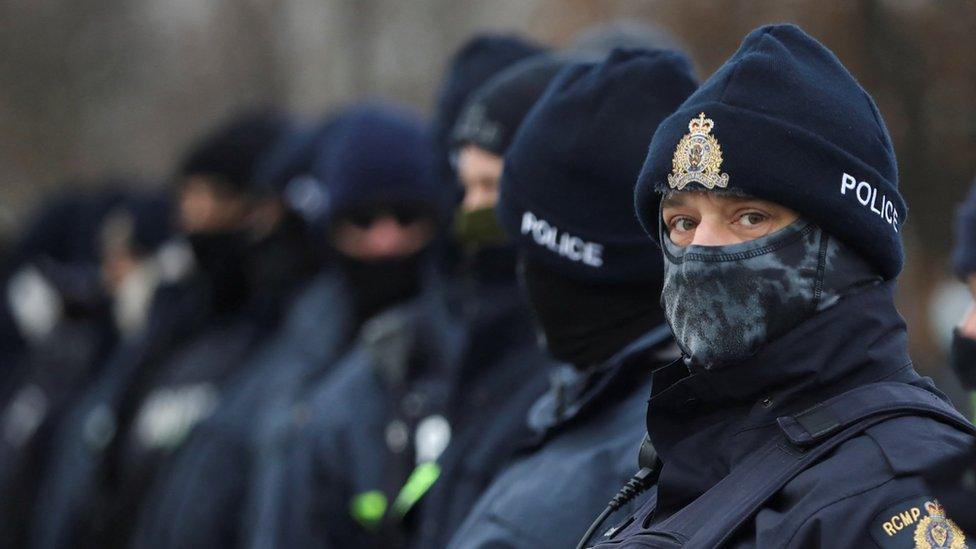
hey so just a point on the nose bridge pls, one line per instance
(384, 233)
(477, 197)
(711, 231)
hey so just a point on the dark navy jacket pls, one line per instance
(64, 498)
(358, 439)
(868, 492)
(54, 375)
(587, 431)
(201, 499)
(503, 372)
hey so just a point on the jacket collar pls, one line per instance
(702, 422)
(575, 393)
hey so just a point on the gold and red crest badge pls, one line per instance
(698, 157)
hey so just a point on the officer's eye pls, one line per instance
(682, 224)
(752, 219)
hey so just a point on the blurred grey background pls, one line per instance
(96, 87)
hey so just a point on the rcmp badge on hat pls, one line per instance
(698, 158)
(937, 530)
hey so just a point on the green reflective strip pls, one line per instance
(368, 508)
(421, 479)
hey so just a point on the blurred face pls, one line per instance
(382, 234)
(480, 172)
(118, 260)
(117, 265)
(207, 207)
(704, 218)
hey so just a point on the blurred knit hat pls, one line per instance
(567, 187)
(377, 155)
(232, 152)
(496, 109)
(475, 62)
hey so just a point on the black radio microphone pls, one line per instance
(650, 469)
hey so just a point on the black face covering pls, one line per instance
(724, 303)
(379, 284)
(962, 358)
(586, 324)
(215, 252)
(222, 257)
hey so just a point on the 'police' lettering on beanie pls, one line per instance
(567, 187)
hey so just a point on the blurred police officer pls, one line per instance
(158, 385)
(472, 65)
(796, 418)
(484, 289)
(962, 356)
(502, 369)
(97, 295)
(353, 433)
(201, 499)
(593, 282)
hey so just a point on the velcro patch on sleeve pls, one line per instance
(916, 523)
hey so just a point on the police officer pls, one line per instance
(593, 283)
(502, 370)
(156, 387)
(962, 356)
(353, 439)
(796, 418)
(472, 65)
(201, 500)
(60, 365)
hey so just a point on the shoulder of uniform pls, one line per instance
(918, 521)
(915, 444)
(899, 513)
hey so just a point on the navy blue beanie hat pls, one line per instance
(784, 121)
(496, 110)
(232, 152)
(474, 63)
(377, 155)
(567, 187)
(964, 252)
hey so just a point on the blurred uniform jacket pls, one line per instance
(587, 430)
(202, 498)
(57, 253)
(868, 491)
(360, 436)
(66, 494)
(503, 372)
(52, 376)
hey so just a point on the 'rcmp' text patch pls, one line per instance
(919, 523)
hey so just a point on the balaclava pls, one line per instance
(725, 302)
(781, 121)
(591, 274)
(229, 156)
(376, 164)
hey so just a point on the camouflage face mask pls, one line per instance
(724, 303)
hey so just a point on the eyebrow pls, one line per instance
(677, 199)
(673, 200)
